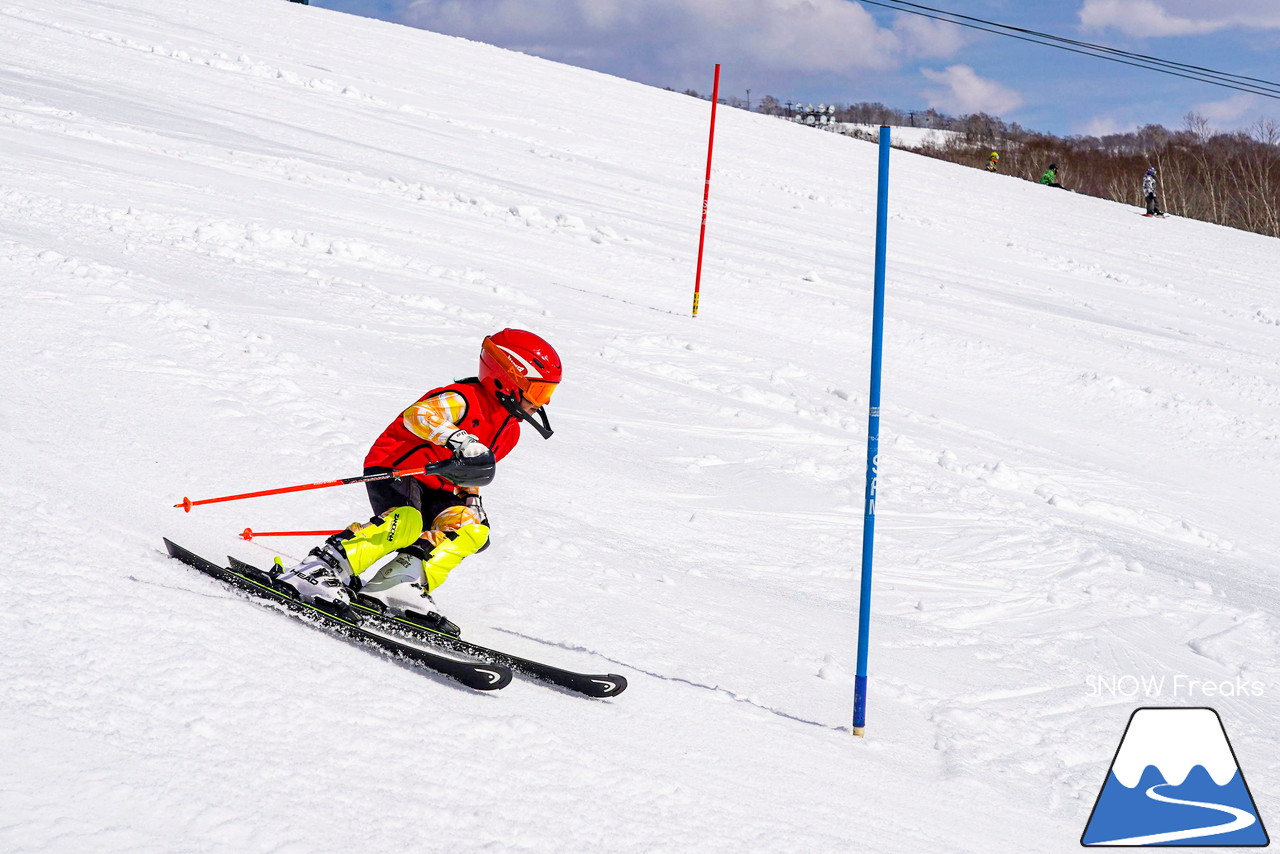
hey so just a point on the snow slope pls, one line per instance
(236, 238)
(905, 136)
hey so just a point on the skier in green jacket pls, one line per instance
(1050, 176)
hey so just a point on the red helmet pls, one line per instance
(519, 365)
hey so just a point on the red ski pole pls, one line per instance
(249, 534)
(186, 503)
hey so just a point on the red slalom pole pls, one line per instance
(706, 190)
(249, 534)
(186, 503)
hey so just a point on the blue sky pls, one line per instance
(840, 50)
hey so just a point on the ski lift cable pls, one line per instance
(1264, 88)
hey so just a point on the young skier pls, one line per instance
(993, 163)
(1149, 192)
(1050, 176)
(434, 522)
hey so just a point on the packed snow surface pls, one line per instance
(905, 137)
(238, 238)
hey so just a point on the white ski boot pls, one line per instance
(398, 590)
(321, 578)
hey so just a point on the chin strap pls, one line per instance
(512, 404)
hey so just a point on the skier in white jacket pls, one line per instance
(1149, 192)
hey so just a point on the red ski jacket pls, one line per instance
(483, 417)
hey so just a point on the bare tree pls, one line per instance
(1198, 126)
(771, 106)
(1266, 131)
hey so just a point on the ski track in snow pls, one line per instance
(236, 240)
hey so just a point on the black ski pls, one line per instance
(482, 677)
(591, 684)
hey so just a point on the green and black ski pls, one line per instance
(590, 684)
(482, 676)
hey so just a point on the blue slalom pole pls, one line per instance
(873, 443)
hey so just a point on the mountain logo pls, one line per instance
(1175, 781)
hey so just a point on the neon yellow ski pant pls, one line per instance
(445, 557)
(459, 535)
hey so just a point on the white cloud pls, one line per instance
(1237, 113)
(674, 42)
(1144, 18)
(924, 37)
(1228, 111)
(1103, 126)
(964, 91)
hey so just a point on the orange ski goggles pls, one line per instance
(538, 392)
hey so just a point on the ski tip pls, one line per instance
(609, 685)
(486, 677)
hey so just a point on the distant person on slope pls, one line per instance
(1149, 192)
(1050, 176)
(993, 163)
(433, 522)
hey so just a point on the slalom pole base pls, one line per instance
(860, 731)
